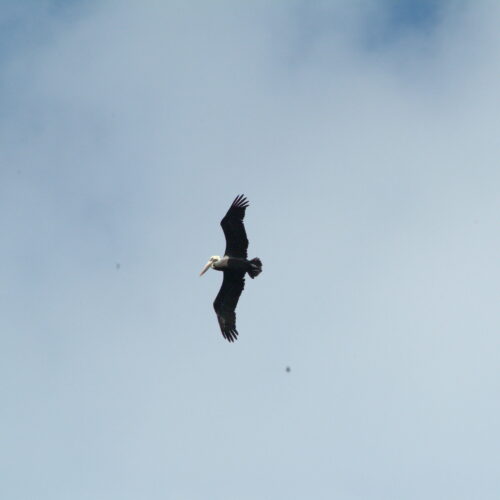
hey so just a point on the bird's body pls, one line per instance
(235, 265)
(232, 264)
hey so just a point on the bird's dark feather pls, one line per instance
(226, 301)
(234, 230)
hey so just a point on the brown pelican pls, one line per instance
(234, 265)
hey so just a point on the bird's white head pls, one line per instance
(210, 264)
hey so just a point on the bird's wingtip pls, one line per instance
(240, 201)
(230, 335)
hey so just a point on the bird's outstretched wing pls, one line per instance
(226, 301)
(234, 230)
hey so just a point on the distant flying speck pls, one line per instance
(234, 265)
(288, 369)
(118, 265)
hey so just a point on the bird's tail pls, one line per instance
(255, 267)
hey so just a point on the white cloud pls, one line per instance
(373, 186)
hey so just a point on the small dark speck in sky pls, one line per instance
(118, 265)
(288, 369)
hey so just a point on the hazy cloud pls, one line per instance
(364, 135)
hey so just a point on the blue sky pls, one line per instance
(408, 14)
(364, 136)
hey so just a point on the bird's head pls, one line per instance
(210, 264)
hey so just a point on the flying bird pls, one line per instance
(234, 265)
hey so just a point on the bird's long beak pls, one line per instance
(206, 268)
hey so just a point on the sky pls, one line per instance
(365, 136)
